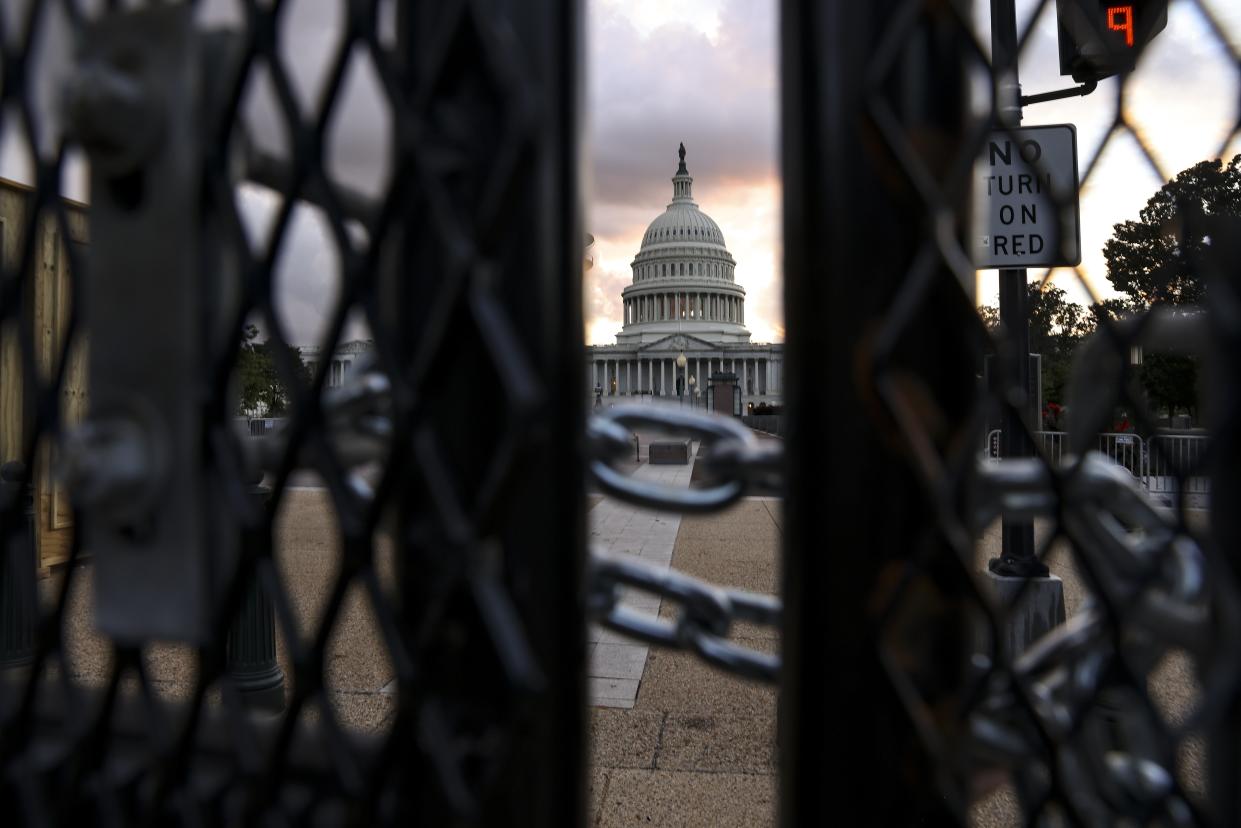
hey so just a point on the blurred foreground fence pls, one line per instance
(1162, 463)
(465, 541)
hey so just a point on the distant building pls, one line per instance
(341, 359)
(685, 301)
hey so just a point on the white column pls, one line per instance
(745, 375)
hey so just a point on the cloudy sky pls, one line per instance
(705, 72)
(699, 71)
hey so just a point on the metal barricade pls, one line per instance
(1176, 463)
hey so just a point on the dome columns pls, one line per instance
(684, 305)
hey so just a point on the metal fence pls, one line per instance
(897, 706)
(1162, 463)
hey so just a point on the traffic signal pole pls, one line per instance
(1017, 556)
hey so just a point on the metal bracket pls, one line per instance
(1060, 94)
(136, 468)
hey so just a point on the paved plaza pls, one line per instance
(672, 741)
(617, 663)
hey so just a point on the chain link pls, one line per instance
(1091, 493)
(705, 613)
(736, 463)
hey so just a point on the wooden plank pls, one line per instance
(50, 303)
(13, 207)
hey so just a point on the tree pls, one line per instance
(1154, 260)
(261, 389)
(1057, 326)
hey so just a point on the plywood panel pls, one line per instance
(49, 305)
(73, 394)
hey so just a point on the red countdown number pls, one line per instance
(1120, 19)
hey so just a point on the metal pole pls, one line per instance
(251, 651)
(845, 738)
(18, 585)
(1223, 419)
(1017, 556)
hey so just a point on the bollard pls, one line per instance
(19, 599)
(251, 652)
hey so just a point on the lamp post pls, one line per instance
(691, 383)
(681, 361)
(251, 649)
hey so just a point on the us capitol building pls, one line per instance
(684, 316)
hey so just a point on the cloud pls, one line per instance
(706, 78)
(649, 92)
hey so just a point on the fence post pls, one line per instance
(19, 599)
(846, 741)
(251, 649)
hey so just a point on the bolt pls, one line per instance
(111, 466)
(109, 111)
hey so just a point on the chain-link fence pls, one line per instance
(454, 462)
(1126, 713)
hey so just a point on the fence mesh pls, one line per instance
(462, 543)
(1126, 712)
(457, 550)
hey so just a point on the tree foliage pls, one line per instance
(262, 391)
(1057, 326)
(1155, 260)
(1149, 261)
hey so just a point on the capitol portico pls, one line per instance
(684, 315)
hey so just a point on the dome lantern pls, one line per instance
(682, 182)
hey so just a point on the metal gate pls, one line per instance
(896, 704)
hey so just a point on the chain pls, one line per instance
(1142, 563)
(705, 613)
(736, 462)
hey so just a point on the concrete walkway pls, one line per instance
(698, 746)
(616, 663)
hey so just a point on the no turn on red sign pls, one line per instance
(1026, 208)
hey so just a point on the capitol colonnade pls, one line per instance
(654, 305)
(758, 370)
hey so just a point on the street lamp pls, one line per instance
(680, 366)
(691, 390)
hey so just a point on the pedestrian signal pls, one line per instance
(1101, 39)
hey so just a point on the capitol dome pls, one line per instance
(683, 276)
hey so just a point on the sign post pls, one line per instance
(1017, 557)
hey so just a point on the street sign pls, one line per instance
(1026, 210)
